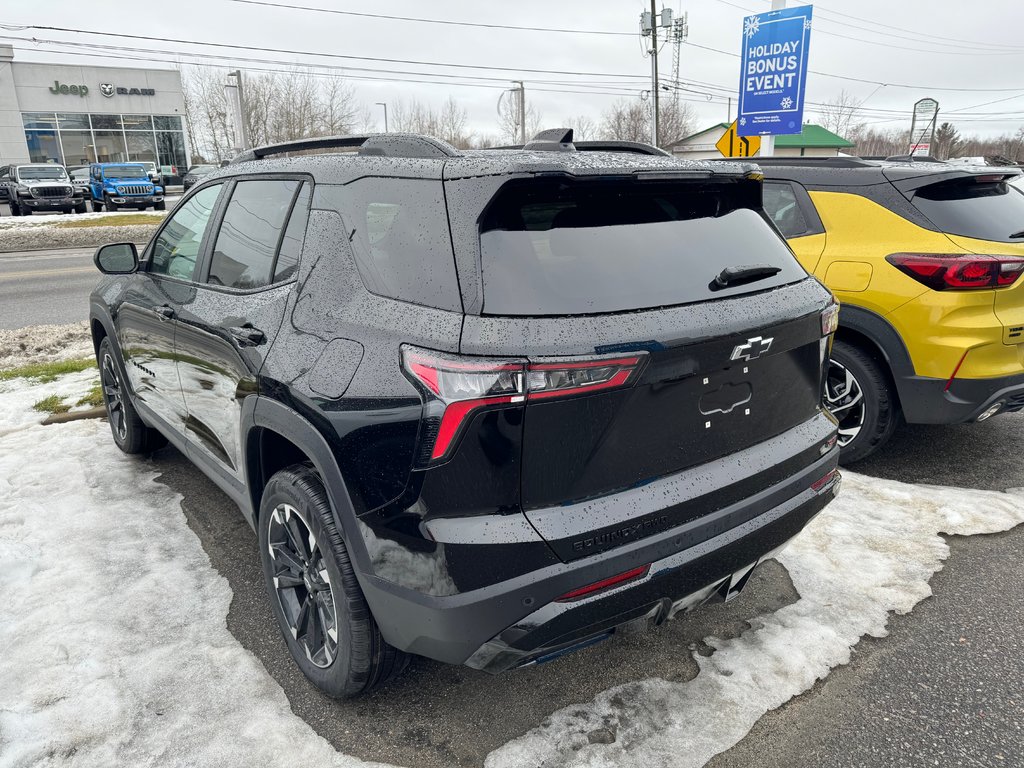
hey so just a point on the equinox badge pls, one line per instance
(752, 349)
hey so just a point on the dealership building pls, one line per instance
(75, 115)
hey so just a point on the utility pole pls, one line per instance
(385, 105)
(521, 104)
(768, 142)
(654, 73)
(234, 90)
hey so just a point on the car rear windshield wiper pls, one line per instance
(745, 274)
(1016, 235)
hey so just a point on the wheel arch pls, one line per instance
(876, 336)
(278, 436)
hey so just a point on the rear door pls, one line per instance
(233, 316)
(578, 270)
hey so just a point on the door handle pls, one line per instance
(247, 336)
(164, 312)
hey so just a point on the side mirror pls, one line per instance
(117, 259)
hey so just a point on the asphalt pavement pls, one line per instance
(46, 287)
(944, 689)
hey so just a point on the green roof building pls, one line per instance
(813, 141)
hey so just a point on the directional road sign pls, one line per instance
(733, 145)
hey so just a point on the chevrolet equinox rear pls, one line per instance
(486, 407)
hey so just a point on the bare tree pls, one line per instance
(508, 118)
(676, 121)
(583, 127)
(626, 120)
(840, 114)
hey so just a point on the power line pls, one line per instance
(290, 52)
(479, 25)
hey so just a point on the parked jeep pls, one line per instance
(123, 185)
(40, 187)
(488, 406)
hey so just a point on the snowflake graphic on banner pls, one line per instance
(751, 25)
(743, 121)
(807, 23)
(787, 103)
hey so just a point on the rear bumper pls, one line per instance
(518, 622)
(927, 401)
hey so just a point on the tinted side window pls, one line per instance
(401, 242)
(781, 205)
(249, 236)
(177, 246)
(974, 207)
(291, 245)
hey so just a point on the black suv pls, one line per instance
(485, 407)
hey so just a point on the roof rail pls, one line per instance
(635, 147)
(913, 159)
(814, 162)
(378, 144)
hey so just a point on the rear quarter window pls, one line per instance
(974, 207)
(401, 241)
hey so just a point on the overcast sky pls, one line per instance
(975, 47)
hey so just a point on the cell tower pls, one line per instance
(677, 34)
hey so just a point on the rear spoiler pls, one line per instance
(911, 184)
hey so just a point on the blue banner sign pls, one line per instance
(774, 73)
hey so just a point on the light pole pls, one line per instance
(384, 104)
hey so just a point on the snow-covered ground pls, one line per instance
(115, 649)
(46, 220)
(44, 343)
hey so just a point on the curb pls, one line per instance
(64, 418)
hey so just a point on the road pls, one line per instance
(45, 287)
(943, 689)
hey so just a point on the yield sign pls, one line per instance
(733, 145)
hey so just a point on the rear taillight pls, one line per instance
(633, 574)
(830, 319)
(959, 272)
(456, 387)
(830, 482)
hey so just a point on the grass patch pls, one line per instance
(46, 372)
(93, 398)
(121, 220)
(51, 404)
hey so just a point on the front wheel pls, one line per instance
(313, 589)
(130, 433)
(97, 206)
(860, 395)
(161, 206)
(80, 208)
(15, 209)
(111, 206)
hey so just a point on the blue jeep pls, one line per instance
(123, 185)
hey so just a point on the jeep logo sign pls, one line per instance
(69, 90)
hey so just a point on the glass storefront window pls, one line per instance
(78, 149)
(43, 147)
(171, 146)
(167, 122)
(106, 122)
(137, 122)
(141, 146)
(73, 120)
(110, 146)
(40, 120)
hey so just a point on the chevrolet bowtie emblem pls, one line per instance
(752, 349)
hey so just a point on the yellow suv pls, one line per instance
(926, 260)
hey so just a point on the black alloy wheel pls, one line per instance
(131, 434)
(303, 585)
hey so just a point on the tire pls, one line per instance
(356, 659)
(130, 434)
(80, 208)
(161, 206)
(111, 206)
(861, 395)
(15, 209)
(97, 206)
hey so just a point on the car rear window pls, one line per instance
(566, 247)
(974, 207)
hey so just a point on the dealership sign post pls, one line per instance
(774, 72)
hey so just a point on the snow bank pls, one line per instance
(871, 552)
(115, 646)
(44, 343)
(17, 396)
